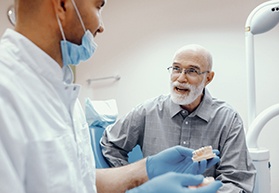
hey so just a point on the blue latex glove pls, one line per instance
(177, 159)
(176, 183)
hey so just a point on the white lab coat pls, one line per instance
(44, 138)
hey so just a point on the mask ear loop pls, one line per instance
(60, 27)
(62, 43)
(81, 21)
(79, 16)
(67, 71)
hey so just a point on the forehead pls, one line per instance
(187, 58)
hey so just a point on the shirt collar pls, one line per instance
(36, 58)
(174, 108)
(203, 111)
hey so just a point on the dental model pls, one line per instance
(206, 181)
(203, 153)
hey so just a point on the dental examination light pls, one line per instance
(262, 19)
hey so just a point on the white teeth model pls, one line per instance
(203, 153)
(206, 181)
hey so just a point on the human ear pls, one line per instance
(209, 77)
(60, 8)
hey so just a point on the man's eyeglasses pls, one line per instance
(189, 71)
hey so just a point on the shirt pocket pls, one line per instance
(85, 152)
(51, 166)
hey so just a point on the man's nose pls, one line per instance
(101, 27)
(182, 77)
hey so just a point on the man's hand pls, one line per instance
(176, 183)
(177, 159)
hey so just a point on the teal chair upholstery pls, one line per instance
(99, 115)
(96, 133)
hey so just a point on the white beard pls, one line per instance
(181, 99)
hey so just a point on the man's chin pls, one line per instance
(180, 99)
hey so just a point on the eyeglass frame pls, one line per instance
(186, 71)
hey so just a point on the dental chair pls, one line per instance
(96, 133)
(99, 115)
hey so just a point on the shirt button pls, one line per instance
(186, 122)
(184, 142)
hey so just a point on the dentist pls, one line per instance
(44, 137)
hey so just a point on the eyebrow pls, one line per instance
(191, 66)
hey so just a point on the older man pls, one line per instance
(190, 117)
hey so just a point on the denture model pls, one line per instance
(203, 153)
(206, 181)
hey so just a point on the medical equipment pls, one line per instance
(11, 15)
(203, 153)
(116, 77)
(262, 19)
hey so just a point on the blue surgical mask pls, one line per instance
(73, 53)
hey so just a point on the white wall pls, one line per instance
(141, 37)
(4, 22)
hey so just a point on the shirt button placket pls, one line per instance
(185, 133)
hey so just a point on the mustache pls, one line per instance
(181, 85)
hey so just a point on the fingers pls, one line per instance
(216, 151)
(211, 188)
(202, 166)
(184, 151)
(213, 161)
(189, 179)
(193, 169)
